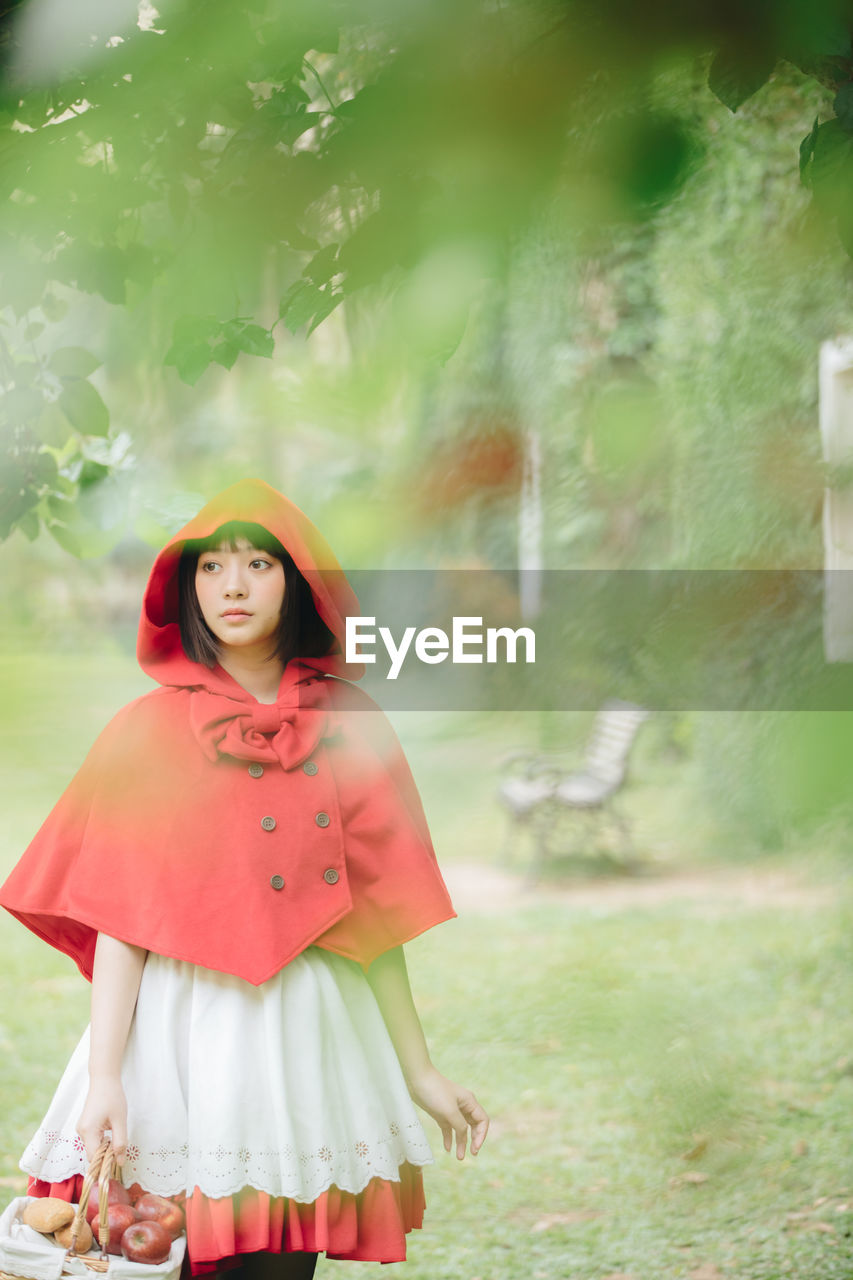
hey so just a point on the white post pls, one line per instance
(530, 528)
(836, 429)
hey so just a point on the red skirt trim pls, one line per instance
(368, 1227)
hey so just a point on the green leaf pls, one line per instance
(84, 408)
(323, 265)
(92, 473)
(67, 523)
(15, 500)
(291, 99)
(60, 508)
(231, 328)
(143, 265)
(299, 304)
(832, 168)
(240, 336)
(29, 525)
(806, 153)
(384, 239)
(52, 426)
(226, 353)
(73, 362)
(149, 531)
(288, 296)
(95, 269)
(44, 469)
(843, 105)
(824, 34)
(256, 341)
(327, 306)
(285, 111)
(190, 360)
(103, 505)
(66, 539)
(735, 76)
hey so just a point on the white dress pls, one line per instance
(291, 1087)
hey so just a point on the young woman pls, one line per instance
(236, 867)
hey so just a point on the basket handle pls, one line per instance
(102, 1166)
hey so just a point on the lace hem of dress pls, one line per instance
(218, 1171)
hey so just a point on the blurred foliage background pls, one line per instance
(472, 283)
(494, 284)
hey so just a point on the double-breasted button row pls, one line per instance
(310, 767)
(330, 875)
(322, 819)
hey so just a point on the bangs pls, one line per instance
(255, 534)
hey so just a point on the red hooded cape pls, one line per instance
(213, 828)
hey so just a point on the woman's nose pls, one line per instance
(234, 583)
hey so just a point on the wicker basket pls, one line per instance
(101, 1169)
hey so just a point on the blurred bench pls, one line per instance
(540, 793)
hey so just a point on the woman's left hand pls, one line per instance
(453, 1109)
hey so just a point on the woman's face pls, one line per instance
(240, 594)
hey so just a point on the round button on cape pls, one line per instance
(256, 770)
(277, 882)
(268, 823)
(331, 876)
(310, 767)
(322, 819)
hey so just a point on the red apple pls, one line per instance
(116, 1194)
(119, 1218)
(146, 1241)
(158, 1209)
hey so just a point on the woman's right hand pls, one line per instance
(105, 1108)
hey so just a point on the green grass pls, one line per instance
(607, 1049)
(608, 1045)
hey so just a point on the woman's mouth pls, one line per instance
(236, 613)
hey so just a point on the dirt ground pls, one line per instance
(475, 887)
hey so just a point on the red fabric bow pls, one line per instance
(287, 730)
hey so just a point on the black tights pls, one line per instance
(272, 1266)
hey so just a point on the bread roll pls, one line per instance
(84, 1237)
(48, 1214)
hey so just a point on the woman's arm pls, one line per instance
(116, 975)
(452, 1107)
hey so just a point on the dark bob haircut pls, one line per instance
(302, 633)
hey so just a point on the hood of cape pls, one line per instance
(159, 650)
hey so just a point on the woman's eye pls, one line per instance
(265, 563)
(208, 564)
